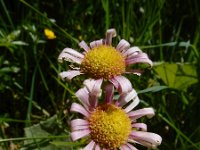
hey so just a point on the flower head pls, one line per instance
(112, 124)
(103, 61)
(49, 34)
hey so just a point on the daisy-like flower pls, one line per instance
(101, 60)
(113, 124)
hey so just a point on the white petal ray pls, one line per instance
(83, 45)
(140, 126)
(80, 109)
(79, 134)
(83, 95)
(132, 52)
(79, 122)
(122, 84)
(68, 75)
(126, 97)
(149, 112)
(109, 92)
(96, 43)
(132, 105)
(123, 45)
(90, 146)
(109, 35)
(146, 138)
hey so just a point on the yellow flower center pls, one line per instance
(110, 126)
(103, 62)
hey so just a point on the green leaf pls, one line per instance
(19, 43)
(45, 129)
(153, 89)
(178, 76)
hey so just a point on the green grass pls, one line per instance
(31, 91)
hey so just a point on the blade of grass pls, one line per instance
(178, 131)
(105, 4)
(29, 110)
(7, 13)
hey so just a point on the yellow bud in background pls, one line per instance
(49, 34)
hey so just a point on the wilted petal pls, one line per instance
(79, 134)
(109, 35)
(140, 126)
(122, 84)
(68, 75)
(90, 146)
(96, 43)
(146, 138)
(123, 45)
(80, 109)
(83, 45)
(149, 112)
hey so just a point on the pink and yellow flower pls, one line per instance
(112, 124)
(103, 61)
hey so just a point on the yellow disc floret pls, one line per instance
(103, 62)
(110, 126)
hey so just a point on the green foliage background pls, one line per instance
(34, 102)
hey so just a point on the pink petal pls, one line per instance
(97, 147)
(132, 105)
(79, 122)
(77, 128)
(94, 88)
(79, 134)
(125, 147)
(68, 75)
(90, 146)
(83, 95)
(131, 146)
(146, 138)
(123, 45)
(109, 92)
(149, 112)
(140, 58)
(122, 84)
(132, 52)
(73, 52)
(140, 126)
(126, 97)
(80, 109)
(109, 35)
(96, 43)
(83, 45)
(69, 57)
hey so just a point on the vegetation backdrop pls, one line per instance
(34, 102)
